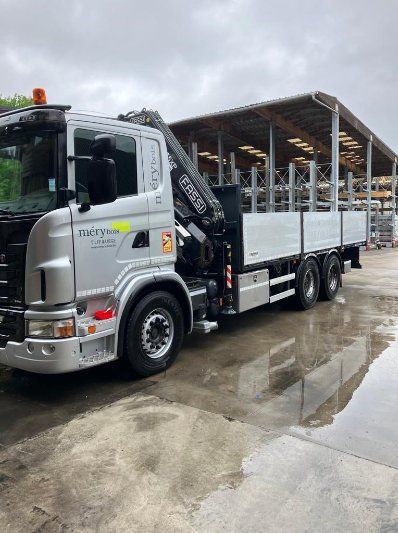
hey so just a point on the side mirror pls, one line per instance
(101, 181)
(101, 171)
(103, 145)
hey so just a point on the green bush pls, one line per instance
(15, 101)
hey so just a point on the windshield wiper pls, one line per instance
(6, 212)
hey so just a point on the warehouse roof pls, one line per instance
(303, 123)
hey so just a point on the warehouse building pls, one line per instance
(306, 152)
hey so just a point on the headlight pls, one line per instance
(51, 329)
(40, 328)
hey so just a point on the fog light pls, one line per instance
(31, 347)
(48, 349)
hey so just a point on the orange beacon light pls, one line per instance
(39, 96)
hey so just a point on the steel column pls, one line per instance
(292, 187)
(220, 153)
(393, 198)
(271, 170)
(189, 145)
(194, 150)
(254, 189)
(350, 191)
(345, 178)
(313, 191)
(335, 162)
(232, 165)
(206, 177)
(266, 182)
(369, 188)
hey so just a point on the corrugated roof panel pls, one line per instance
(308, 112)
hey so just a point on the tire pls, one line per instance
(331, 278)
(154, 334)
(307, 289)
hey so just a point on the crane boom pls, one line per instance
(193, 198)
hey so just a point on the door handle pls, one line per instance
(141, 240)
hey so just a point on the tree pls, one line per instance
(15, 101)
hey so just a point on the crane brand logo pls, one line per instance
(192, 193)
(138, 119)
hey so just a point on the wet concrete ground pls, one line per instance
(280, 421)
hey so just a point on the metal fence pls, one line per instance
(307, 187)
(311, 188)
(292, 188)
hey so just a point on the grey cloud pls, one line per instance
(186, 58)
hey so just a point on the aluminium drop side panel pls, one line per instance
(354, 227)
(322, 230)
(269, 236)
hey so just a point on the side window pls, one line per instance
(125, 161)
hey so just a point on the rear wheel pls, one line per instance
(307, 289)
(331, 278)
(154, 334)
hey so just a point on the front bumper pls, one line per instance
(65, 357)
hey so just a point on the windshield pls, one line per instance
(27, 172)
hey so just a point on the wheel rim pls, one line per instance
(157, 333)
(333, 278)
(309, 284)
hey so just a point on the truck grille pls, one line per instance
(12, 269)
(14, 235)
(12, 325)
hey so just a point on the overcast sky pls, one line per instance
(184, 58)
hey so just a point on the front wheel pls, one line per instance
(307, 289)
(154, 334)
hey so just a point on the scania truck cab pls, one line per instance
(113, 247)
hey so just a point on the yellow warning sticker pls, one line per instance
(167, 242)
(123, 226)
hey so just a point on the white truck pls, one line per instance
(112, 246)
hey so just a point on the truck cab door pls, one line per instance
(157, 184)
(110, 240)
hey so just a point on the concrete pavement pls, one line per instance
(280, 421)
